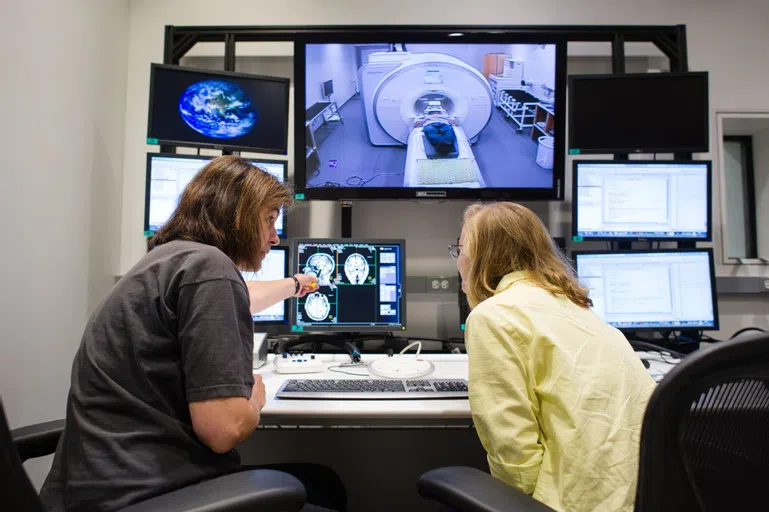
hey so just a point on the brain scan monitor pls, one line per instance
(360, 285)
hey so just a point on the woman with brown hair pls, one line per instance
(557, 395)
(162, 385)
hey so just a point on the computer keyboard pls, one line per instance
(372, 389)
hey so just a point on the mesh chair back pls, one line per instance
(16, 491)
(705, 437)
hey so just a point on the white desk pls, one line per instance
(437, 412)
(382, 413)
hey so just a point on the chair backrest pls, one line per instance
(16, 491)
(705, 436)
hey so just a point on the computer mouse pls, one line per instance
(646, 363)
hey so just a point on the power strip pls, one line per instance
(297, 363)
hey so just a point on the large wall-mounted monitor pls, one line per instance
(639, 113)
(225, 110)
(169, 173)
(275, 266)
(651, 200)
(361, 285)
(435, 115)
(652, 290)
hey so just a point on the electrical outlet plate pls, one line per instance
(441, 284)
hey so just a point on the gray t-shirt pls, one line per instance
(175, 329)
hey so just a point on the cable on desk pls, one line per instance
(422, 338)
(655, 348)
(746, 329)
(663, 359)
(349, 365)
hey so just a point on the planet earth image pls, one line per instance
(217, 109)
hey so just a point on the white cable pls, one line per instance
(400, 367)
(411, 345)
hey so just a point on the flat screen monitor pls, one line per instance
(651, 200)
(168, 174)
(652, 290)
(200, 108)
(274, 267)
(455, 118)
(361, 285)
(327, 88)
(639, 113)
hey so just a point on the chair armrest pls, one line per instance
(258, 489)
(471, 490)
(37, 440)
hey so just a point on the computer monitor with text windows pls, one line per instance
(651, 200)
(274, 267)
(168, 174)
(361, 285)
(651, 290)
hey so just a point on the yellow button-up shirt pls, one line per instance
(557, 397)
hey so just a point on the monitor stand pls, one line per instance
(689, 343)
(694, 335)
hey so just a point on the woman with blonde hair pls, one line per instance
(557, 395)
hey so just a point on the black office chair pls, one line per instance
(704, 441)
(263, 490)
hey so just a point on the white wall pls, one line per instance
(61, 157)
(538, 65)
(330, 62)
(726, 39)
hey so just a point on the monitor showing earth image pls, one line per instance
(218, 109)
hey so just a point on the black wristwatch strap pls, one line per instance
(298, 286)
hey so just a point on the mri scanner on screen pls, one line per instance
(428, 115)
(435, 105)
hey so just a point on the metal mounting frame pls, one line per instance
(670, 39)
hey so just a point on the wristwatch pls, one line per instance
(298, 286)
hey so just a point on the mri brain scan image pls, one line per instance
(356, 268)
(317, 306)
(321, 266)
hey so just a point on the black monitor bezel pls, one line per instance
(287, 302)
(435, 34)
(148, 179)
(713, 291)
(323, 87)
(574, 200)
(358, 328)
(213, 145)
(704, 148)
